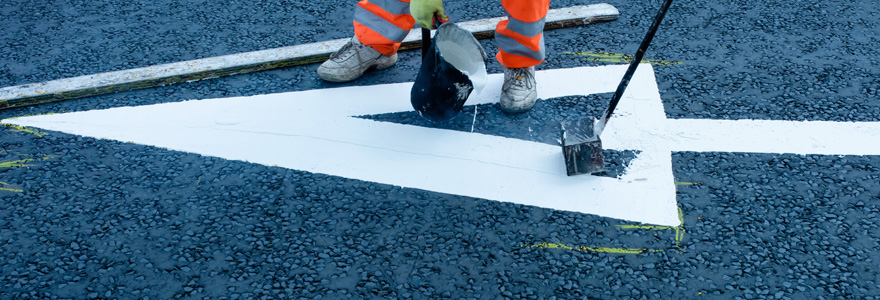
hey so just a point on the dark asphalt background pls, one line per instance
(106, 219)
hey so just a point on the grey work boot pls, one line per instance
(352, 60)
(518, 94)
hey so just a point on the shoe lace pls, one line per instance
(345, 50)
(521, 76)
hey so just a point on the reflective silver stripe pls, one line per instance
(379, 25)
(392, 6)
(511, 46)
(526, 28)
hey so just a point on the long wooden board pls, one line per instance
(191, 70)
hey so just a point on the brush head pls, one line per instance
(582, 147)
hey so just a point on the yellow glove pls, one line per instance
(423, 12)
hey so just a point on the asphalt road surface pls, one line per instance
(84, 218)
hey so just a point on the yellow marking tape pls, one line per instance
(619, 58)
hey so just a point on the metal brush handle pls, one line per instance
(635, 63)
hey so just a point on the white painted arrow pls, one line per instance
(315, 131)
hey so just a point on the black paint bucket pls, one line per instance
(453, 66)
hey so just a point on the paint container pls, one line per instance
(453, 66)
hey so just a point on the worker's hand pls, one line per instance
(424, 10)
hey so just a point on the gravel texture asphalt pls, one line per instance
(83, 218)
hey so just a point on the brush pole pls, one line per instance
(426, 41)
(635, 63)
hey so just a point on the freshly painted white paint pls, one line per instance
(601, 11)
(315, 131)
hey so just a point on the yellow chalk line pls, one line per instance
(679, 230)
(24, 129)
(679, 235)
(590, 249)
(16, 163)
(20, 163)
(647, 227)
(596, 56)
(687, 183)
(33, 115)
(5, 187)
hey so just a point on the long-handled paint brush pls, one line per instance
(581, 145)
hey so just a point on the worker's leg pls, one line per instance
(520, 42)
(379, 27)
(382, 24)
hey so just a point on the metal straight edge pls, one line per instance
(192, 70)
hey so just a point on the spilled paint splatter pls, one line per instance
(595, 56)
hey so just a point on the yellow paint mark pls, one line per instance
(679, 235)
(590, 249)
(32, 115)
(609, 57)
(6, 187)
(16, 163)
(24, 129)
(20, 163)
(650, 227)
(679, 230)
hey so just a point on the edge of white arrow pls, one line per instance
(315, 131)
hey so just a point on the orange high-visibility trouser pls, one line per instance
(383, 24)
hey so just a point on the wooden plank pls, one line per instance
(198, 69)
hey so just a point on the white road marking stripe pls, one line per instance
(315, 131)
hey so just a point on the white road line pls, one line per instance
(9, 95)
(315, 131)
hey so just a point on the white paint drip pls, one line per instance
(474, 122)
